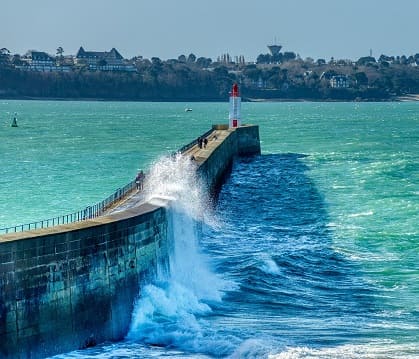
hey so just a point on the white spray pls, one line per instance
(168, 311)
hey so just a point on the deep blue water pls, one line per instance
(294, 288)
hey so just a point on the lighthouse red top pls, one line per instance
(235, 91)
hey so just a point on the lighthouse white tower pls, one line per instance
(235, 104)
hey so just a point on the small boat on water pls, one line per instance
(14, 122)
(188, 109)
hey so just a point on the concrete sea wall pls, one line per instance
(239, 142)
(72, 286)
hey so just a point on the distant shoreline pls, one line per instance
(410, 97)
(403, 98)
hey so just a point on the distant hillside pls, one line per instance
(192, 79)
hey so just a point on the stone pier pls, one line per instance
(72, 286)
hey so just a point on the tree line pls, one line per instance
(190, 78)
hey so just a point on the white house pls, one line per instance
(339, 81)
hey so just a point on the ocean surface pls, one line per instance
(311, 250)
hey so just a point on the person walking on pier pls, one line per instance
(139, 180)
(200, 142)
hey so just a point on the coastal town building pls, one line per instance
(40, 61)
(339, 81)
(103, 60)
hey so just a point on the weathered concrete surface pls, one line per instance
(71, 286)
(216, 159)
(75, 285)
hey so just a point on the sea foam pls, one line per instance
(171, 310)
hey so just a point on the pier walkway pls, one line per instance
(198, 155)
(125, 197)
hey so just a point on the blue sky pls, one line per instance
(344, 29)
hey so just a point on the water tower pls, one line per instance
(274, 49)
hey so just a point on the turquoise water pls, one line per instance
(318, 236)
(65, 156)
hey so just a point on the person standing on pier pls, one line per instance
(139, 180)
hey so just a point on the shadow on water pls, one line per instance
(286, 285)
(275, 244)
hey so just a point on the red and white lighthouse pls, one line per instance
(235, 104)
